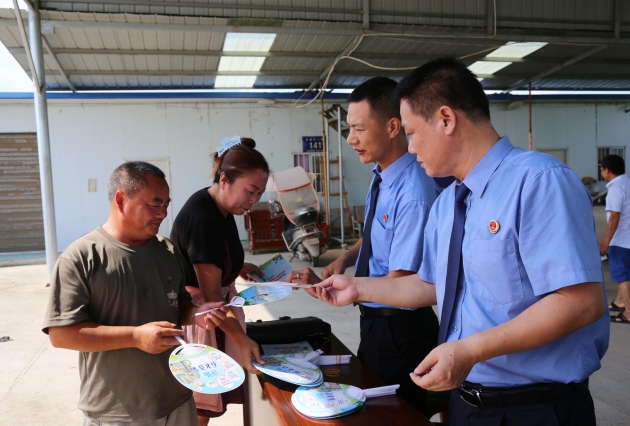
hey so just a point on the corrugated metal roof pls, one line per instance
(129, 44)
(546, 14)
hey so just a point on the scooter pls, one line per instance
(300, 204)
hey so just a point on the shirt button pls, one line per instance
(454, 328)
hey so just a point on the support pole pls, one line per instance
(29, 56)
(341, 210)
(43, 139)
(325, 157)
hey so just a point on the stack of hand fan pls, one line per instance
(292, 370)
(332, 400)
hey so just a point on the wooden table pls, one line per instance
(269, 399)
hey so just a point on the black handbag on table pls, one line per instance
(288, 330)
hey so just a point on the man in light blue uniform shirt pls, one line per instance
(545, 241)
(510, 256)
(393, 340)
(406, 195)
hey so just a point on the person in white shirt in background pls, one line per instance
(616, 242)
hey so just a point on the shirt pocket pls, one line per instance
(381, 241)
(494, 270)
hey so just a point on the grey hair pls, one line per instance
(129, 178)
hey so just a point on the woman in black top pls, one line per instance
(206, 233)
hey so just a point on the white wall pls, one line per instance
(578, 127)
(89, 139)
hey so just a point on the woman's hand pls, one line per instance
(211, 319)
(304, 276)
(249, 351)
(250, 268)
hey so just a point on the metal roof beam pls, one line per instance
(203, 53)
(583, 77)
(55, 5)
(57, 64)
(565, 64)
(270, 29)
(27, 47)
(199, 5)
(504, 36)
(316, 55)
(490, 17)
(278, 8)
(272, 54)
(408, 32)
(367, 73)
(366, 15)
(209, 73)
(617, 19)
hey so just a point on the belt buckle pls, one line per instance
(477, 394)
(474, 393)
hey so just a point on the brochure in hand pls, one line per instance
(275, 269)
(260, 294)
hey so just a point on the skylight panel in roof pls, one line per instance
(515, 50)
(248, 42)
(243, 42)
(487, 67)
(241, 81)
(238, 63)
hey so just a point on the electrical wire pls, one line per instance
(378, 67)
(357, 41)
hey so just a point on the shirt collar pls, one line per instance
(391, 173)
(477, 179)
(617, 179)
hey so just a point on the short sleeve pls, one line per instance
(614, 199)
(557, 241)
(406, 247)
(69, 295)
(428, 267)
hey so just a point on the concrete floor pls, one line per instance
(39, 384)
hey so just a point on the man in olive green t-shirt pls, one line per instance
(118, 296)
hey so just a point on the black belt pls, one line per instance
(480, 397)
(366, 311)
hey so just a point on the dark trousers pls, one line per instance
(392, 347)
(571, 409)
